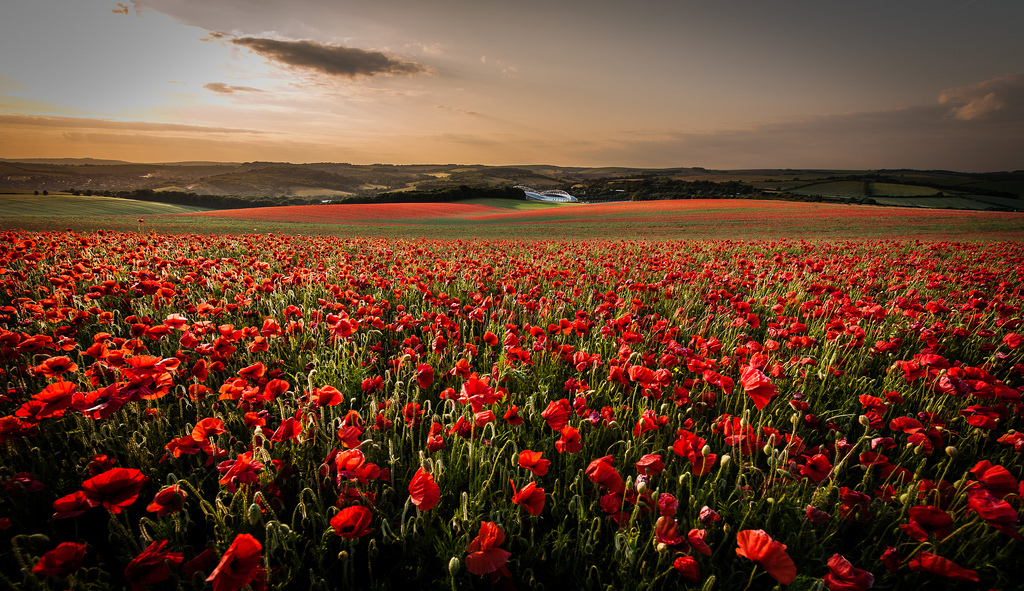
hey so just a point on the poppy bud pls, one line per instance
(254, 514)
(454, 565)
(38, 540)
(952, 451)
(724, 461)
(705, 451)
(342, 556)
(767, 449)
(864, 420)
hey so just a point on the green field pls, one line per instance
(15, 205)
(896, 190)
(931, 202)
(847, 189)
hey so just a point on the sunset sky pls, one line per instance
(656, 83)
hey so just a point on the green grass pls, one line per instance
(16, 205)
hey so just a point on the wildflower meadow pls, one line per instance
(282, 412)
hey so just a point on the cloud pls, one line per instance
(999, 97)
(973, 128)
(222, 88)
(121, 9)
(457, 110)
(213, 36)
(51, 122)
(333, 60)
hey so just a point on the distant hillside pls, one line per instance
(274, 180)
(332, 181)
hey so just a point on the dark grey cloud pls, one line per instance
(222, 88)
(333, 60)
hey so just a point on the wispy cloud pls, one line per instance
(222, 88)
(113, 124)
(121, 9)
(333, 60)
(457, 110)
(1000, 97)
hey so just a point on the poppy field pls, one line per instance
(286, 412)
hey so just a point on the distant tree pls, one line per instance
(35, 192)
(46, 192)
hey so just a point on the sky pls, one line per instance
(724, 84)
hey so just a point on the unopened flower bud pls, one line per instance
(864, 420)
(952, 451)
(254, 514)
(725, 460)
(454, 565)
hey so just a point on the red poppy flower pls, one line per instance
(666, 531)
(326, 396)
(484, 555)
(937, 565)
(115, 489)
(423, 491)
(696, 538)
(63, 559)
(758, 546)
(237, 567)
(169, 500)
(817, 468)
(757, 386)
(241, 470)
(927, 521)
(352, 522)
(815, 515)
(55, 366)
(530, 497)
(557, 414)
(687, 567)
(512, 416)
(995, 478)
(650, 464)
(290, 429)
(435, 440)
(207, 428)
(569, 442)
(997, 512)
(56, 398)
(603, 473)
(151, 566)
(424, 375)
(71, 505)
(843, 576)
(202, 563)
(531, 460)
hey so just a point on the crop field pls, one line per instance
(15, 205)
(931, 202)
(846, 189)
(275, 411)
(896, 190)
(495, 219)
